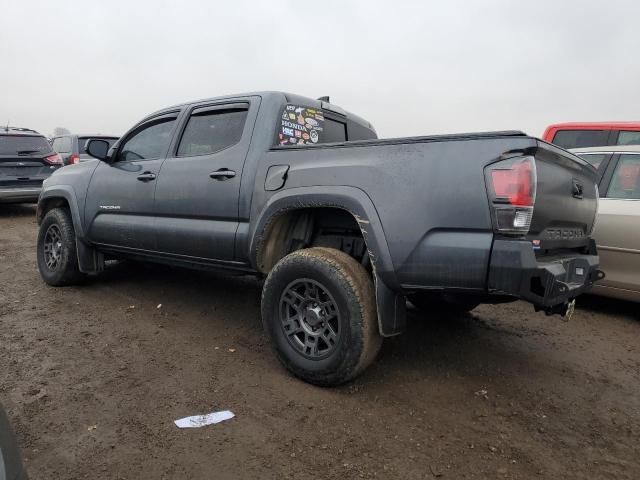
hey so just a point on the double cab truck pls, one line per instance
(344, 227)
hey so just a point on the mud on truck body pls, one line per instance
(343, 226)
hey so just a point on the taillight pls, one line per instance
(512, 188)
(73, 159)
(54, 159)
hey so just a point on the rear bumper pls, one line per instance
(24, 194)
(545, 282)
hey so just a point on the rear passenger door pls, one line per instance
(617, 231)
(197, 192)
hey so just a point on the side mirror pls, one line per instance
(98, 149)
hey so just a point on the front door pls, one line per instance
(198, 188)
(119, 210)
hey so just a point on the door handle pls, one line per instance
(222, 174)
(146, 177)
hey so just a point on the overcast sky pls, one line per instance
(411, 68)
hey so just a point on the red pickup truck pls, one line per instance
(581, 135)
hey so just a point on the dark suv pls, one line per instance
(72, 147)
(26, 159)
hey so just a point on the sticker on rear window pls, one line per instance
(300, 125)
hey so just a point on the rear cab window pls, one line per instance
(23, 145)
(300, 125)
(581, 138)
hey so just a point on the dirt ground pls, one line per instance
(93, 377)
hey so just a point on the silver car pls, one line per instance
(617, 230)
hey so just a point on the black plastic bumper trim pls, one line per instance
(515, 270)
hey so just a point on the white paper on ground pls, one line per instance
(201, 420)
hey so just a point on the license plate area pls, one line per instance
(19, 171)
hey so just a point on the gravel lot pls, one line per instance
(93, 377)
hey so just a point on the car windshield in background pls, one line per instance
(82, 143)
(581, 138)
(23, 145)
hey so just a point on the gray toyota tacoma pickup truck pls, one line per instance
(344, 226)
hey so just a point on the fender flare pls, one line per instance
(389, 299)
(67, 193)
(89, 260)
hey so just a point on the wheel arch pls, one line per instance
(389, 299)
(89, 260)
(60, 196)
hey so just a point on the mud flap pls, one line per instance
(90, 261)
(392, 310)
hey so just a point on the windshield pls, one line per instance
(23, 145)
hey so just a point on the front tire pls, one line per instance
(319, 310)
(57, 255)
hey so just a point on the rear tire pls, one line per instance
(442, 303)
(319, 310)
(57, 255)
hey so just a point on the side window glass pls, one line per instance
(62, 144)
(629, 138)
(149, 143)
(82, 143)
(306, 125)
(625, 182)
(212, 131)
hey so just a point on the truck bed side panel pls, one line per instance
(424, 191)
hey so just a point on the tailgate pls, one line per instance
(566, 200)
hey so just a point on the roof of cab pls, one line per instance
(288, 97)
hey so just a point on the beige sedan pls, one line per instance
(617, 230)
